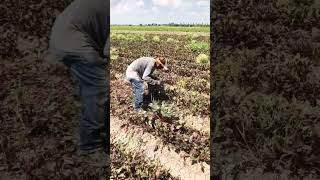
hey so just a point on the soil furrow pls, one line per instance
(139, 141)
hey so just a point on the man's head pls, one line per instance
(161, 63)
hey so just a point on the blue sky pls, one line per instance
(159, 11)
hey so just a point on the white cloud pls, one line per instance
(140, 3)
(181, 4)
(125, 6)
(159, 11)
(154, 8)
(203, 3)
(153, 11)
(193, 13)
(172, 3)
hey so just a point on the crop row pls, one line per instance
(176, 46)
(121, 64)
(181, 59)
(174, 49)
(176, 136)
(117, 38)
(265, 85)
(189, 83)
(179, 71)
(172, 133)
(137, 140)
(289, 14)
(197, 101)
(162, 28)
(276, 129)
(270, 36)
(126, 165)
(291, 75)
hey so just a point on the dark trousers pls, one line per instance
(91, 79)
(138, 92)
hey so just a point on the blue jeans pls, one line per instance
(93, 86)
(138, 90)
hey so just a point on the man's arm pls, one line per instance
(154, 77)
(147, 73)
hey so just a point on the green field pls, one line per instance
(160, 28)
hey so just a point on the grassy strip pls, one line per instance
(161, 28)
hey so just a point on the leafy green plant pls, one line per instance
(114, 54)
(189, 37)
(198, 46)
(121, 37)
(156, 38)
(170, 40)
(163, 111)
(131, 37)
(182, 83)
(203, 59)
(113, 35)
(140, 37)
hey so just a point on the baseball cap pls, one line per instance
(163, 62)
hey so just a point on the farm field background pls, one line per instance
(115, 28)
(40, 109)
(179, 147)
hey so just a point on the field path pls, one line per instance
(138, 141)
(163, 32)
(201, 124)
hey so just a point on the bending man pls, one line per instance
(80, 40)
(140, 71)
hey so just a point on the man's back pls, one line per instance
(82, 27)
(141, 65)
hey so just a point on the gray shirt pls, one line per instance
(82, 28)
(142, 68)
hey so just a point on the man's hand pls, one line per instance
(160, 83)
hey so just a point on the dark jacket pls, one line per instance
(83, 29)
